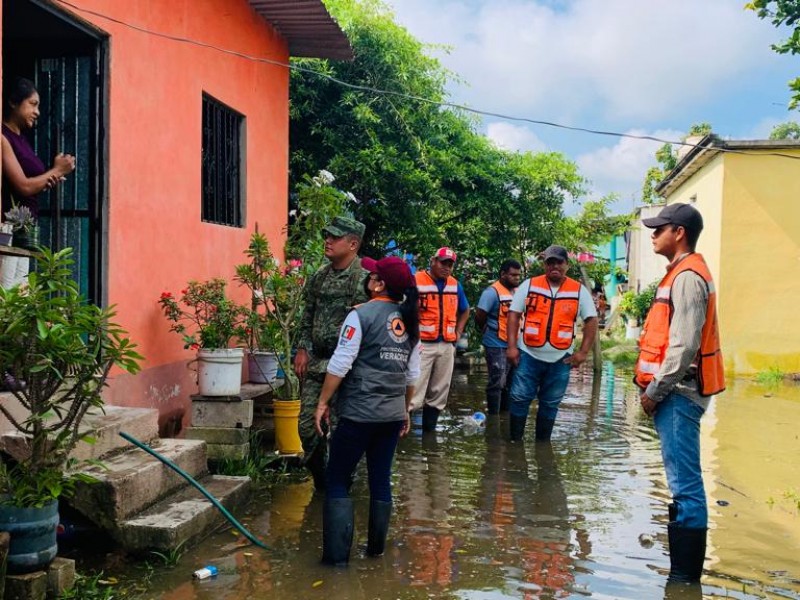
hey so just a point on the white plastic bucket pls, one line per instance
(262, 367)
(219, 371)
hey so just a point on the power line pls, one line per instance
(421, 99)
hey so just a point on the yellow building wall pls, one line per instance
(704, 190)
(760, 263)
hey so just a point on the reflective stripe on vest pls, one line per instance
(504, 298)
(438, 311)
(654, 340)
(551, 318)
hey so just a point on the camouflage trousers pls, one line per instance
(309, 396)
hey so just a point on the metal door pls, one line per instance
(70, 214)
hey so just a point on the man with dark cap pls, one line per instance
(679, 368)
(547, 307)
(329, 294)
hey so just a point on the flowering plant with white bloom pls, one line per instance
(276, 285)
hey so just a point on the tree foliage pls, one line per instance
(786, 131)
(422, 175)
(667, 158)
(783, 13)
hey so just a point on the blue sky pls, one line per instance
(632, 66)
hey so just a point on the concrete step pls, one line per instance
(133, 480)
(183, 517)
(141, 423)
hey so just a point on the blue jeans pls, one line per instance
(349, 442)
(538, 379)
(677, 421)
(499, 369)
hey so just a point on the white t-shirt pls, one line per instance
(347, 350)
(547, 353)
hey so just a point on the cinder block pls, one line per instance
(228, 451)
(218, 435)
(31, 586)
(222, 414)
(60, 576)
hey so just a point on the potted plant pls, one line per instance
(23, 223)
(60, 349)
(276, 293)
(207, 320)
(634, 307)
(276, 286)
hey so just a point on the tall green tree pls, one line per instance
(667, 159)
(786, 131)
(783, 13)
(421, 174)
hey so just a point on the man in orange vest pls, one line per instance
(547, 306)
(491, 317)
(443, 314)
(679, 369)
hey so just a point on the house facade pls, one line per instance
(747, 193)
(178, 114)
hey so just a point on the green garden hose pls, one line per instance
(199, 487)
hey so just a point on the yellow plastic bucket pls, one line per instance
(287, 438)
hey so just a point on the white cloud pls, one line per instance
(621, 168)
(516, 138)
(762, 129)
(627, 60)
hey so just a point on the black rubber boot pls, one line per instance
(544, 428)
(687, 551)
(430, 416)
(316, 466)
(492, 404)
(672, 510)
(516, 427)
(683, 591)
(337, 531)
(380, 513)
(504, 400)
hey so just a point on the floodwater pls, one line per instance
(583, 517)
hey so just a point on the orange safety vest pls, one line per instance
(504, 297)
(654, 340)
(551, 318)
(438, 311)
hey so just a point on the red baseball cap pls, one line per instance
(445, 253)
(392, 270)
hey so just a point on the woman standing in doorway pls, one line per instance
(373, 367)
(24, 174)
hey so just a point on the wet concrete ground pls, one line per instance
(479, 518)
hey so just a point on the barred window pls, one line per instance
(222, 155)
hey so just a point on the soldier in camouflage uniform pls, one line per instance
(329, 295)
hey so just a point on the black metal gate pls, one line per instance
(70, 214)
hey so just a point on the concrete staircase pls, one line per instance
(140, 501)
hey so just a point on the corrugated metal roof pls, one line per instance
(307, 26)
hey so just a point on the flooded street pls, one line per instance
(479, 518)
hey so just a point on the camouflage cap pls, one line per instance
(345, 226)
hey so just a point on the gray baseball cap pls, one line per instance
(558, 252)
(679, 213)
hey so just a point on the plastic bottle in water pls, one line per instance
(474, 422)
(205, 572)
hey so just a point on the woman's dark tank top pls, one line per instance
(31, 166)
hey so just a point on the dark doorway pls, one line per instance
(66, 60)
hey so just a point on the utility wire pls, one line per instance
(421, 99)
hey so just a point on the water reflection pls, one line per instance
(479, 518)
(424, 499)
